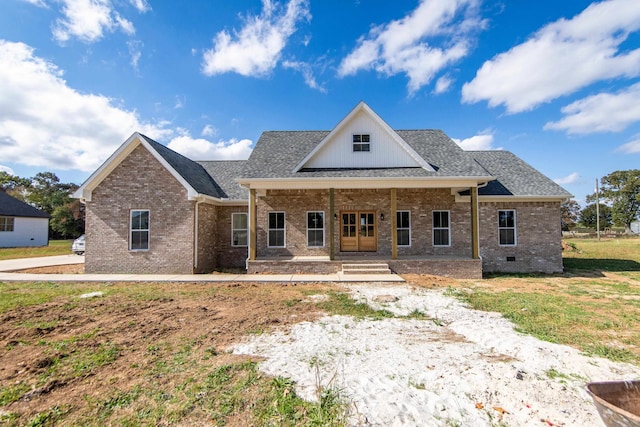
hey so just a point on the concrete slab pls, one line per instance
(46, 261)
(8, 268)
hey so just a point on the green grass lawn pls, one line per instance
(594, 306)
(55, 247)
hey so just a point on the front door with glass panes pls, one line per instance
(358, 231)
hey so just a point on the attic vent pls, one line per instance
(361, 142)
(511, 258)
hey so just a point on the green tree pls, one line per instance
(588, 216)
(14, 185)
(68, 221)
(622, 190)
(570, 210)
(47, 192)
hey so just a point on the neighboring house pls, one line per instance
(309, 201)
(21, 224)
(635, 227)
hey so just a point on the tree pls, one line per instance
(569, 210)
(68, 221)
(13, 185)
(588, 216)
(46, 192)
(622, 190)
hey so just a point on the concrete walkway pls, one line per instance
(7, 274)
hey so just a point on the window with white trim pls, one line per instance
(507, 227)
(276, 230)
(403, 228)
(139, 230)
(315, 229)
(6, 223)
(441, 228)
(238, 229)
(361, 142)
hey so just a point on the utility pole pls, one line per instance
(597, 210)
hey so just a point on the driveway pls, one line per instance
(45, 261)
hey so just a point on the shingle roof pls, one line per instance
(192, 172)
(225, 172)
(514, 177)
(277, 153)
(10, 206)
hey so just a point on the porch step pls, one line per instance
(378, 268)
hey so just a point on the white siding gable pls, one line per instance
(386, 148)
(337, 152)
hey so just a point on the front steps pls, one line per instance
(373, 268)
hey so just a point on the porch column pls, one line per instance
(332, 225)
(394, 225)
(475, 235)
(252, 224)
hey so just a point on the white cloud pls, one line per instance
(256, 48)
(88, 20)
(202, 149)
(569, 179)
(135, 51)
(46, 123)
(631, 147)
(209, 130)
(482, 141)
(403, 46)
(141, 5)
(39, 3)
(7, 169)
(181, 101)
(443, 84)
(561, 58)
(604, 112)
(307, 73)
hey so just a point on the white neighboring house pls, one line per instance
(21, 224)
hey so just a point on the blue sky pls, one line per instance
(555, 82)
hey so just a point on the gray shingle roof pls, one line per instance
(514, 176)
(211, 178)
(10, 206)
(225, 172)
(276, 154)
(191, 171)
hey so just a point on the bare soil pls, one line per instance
(146, 328)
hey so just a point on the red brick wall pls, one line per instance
(228, 255)
(538, 232)
(139, 182)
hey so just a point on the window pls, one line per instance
(276, 230)
(361, 142)
(239, 229)
(441, 228)
(315, 229)
(6, 223)
(507, 227)
(139, 233)
(403, 228)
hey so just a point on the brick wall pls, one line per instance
(139, 182)
(538, 231)
(228, 255)
(207, 238)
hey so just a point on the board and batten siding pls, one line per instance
(338, 152)
(26, 232)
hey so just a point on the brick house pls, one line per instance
(309, 201)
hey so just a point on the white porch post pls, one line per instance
(252, 224)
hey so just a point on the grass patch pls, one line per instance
(12, 393)
(55, 247)
(342, 304)
(606, 254)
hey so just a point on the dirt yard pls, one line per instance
(71, 353)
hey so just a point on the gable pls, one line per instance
(386, 149)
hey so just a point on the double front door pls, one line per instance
(358, 231)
